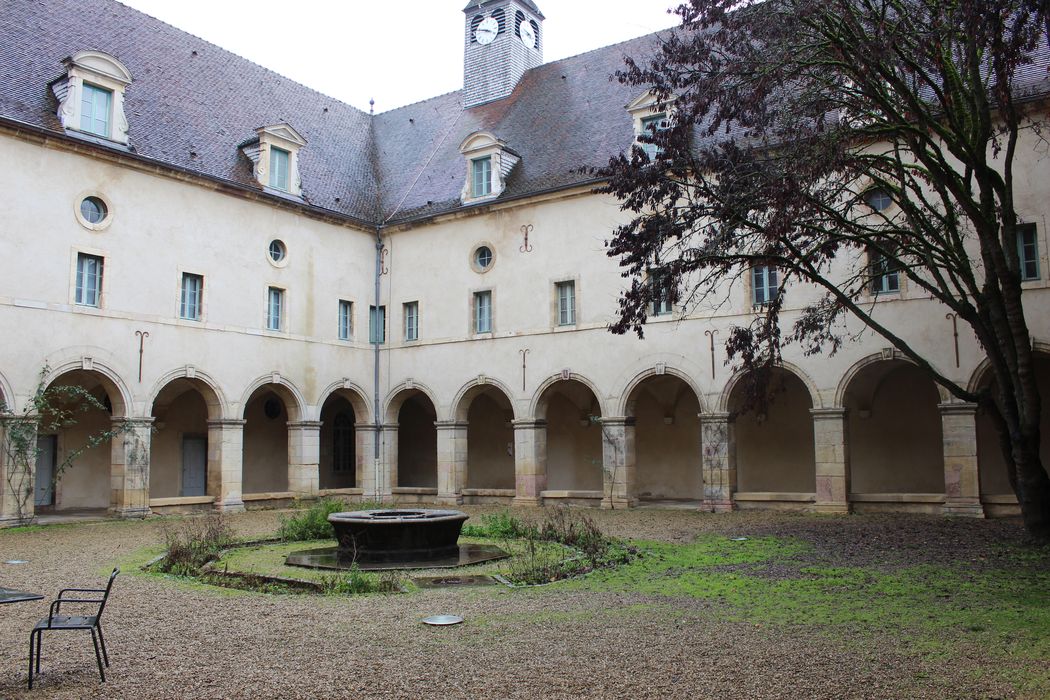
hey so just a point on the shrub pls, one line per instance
(356, 582)
(500, 525)
(311, 522)
(193, 543)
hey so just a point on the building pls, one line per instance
(283, 297)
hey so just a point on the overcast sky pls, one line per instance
(394, 52)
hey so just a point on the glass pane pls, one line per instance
(1028, 252)
(279, 162)
(94, 110)
(344, 320)
(273, 315)
(483, 312)
(482, 172)
(377, 325)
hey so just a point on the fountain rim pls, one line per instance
(400, 515)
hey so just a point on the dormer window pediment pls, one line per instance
(91, 96)
(275, 158)
(490, 162)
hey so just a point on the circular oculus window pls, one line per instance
(92, 212)
(878, 199)
(278, 252)
(482, 258)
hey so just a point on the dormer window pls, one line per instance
(275, 157)
(91, 96)
(650, 117)
(489, 164)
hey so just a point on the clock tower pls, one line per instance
(504, 38)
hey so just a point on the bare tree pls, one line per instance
(841, 141)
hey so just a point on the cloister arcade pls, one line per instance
(886, 438)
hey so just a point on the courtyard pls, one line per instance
(745, 604)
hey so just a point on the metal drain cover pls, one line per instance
(442, 620)
(16, 561)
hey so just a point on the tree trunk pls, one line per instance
(1033, 492)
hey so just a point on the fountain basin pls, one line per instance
(397, 535)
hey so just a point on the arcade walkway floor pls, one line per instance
(646, 635)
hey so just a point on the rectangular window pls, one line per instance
(377, 325)
(662, 305)
(483, 312)
(274, 308)
(89, 280)
(95, 109)
(280, 163)
(1028, 251)
(566, 303)
(346, 315)
(650, 125)
(885, 278)
(411, 313)
(763, 284)
(481, 176)
(191, 297)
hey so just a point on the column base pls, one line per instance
(131, 513)
(618, 503)
(14, 521)
(718, 506)
(964, 508)
(527, 501)
(230, 506)
(449, 500)
(830, 508)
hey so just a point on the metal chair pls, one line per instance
(56, 621)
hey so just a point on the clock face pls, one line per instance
(487, 31)
(528, 35)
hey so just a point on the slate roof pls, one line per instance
(192, 104)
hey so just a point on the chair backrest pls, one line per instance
(109, 587)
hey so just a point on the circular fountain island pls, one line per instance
(397, 539)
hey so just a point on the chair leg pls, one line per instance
(102, 641)
(32, 648)
(39, 643)
(98, 656)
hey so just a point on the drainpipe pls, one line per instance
(375, 377)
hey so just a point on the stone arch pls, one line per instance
(887, 355)
(354, 393)
(980, 375)
(665, 408)
(89, 483)
(119, 395)
(469, 391)
(538, 406)
(293, 399)
(400, 393)
(774, 450)
(623, 402)
(7, 395)
(571, 409)
(791, 368)
(209, 389)
(485, 407)
(894, 428)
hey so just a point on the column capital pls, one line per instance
(227, 423)
(528, 424)
(134, 422)
(618, 421)
(834, 413)
(957, 409)
(715, 417)
(306, 424)
(389, 427)
(450, 424)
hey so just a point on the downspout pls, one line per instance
(375, 377)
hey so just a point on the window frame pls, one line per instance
(183, 278)
(879, 275)
(79, 287)
(375, 338)
(345, 320)
(769, 287)
(1023, 262)
(661, 121)
(486, 179)
(276, 153)
(661, 300)
(410, 321)
(565, 315)
(476, 307)
(87, 88)
(276, 323)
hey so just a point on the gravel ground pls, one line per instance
(177, 640)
